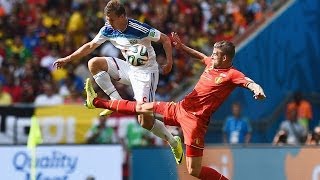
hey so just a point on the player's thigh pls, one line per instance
(166, 111)
(192, 127)
(118, 70)
(144, 85)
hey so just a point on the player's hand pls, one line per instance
(259, 94)
(257, 90)
(165, 69)
(59, 63)
(176, 40)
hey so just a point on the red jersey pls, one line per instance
(213, 87)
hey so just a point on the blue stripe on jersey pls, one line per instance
(135, 30)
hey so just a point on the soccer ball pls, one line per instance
(137, 55)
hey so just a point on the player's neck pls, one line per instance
(228, 66)
(124, 25)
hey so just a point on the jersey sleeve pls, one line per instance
(153, 34)
(207, 61)
(100, 38)
(240, 79)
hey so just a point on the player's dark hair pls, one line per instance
(116, 7)
(226, 47)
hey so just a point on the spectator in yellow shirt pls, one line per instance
(5, 98)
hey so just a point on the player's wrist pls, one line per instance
(251, 86)
(169, 62)
(68, 59)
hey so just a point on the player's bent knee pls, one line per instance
(97, 64)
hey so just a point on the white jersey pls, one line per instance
(135, 33)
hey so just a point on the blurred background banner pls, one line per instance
(235, 162)
(63, 162)
(59, 124)
(15, 124)
(65, 123)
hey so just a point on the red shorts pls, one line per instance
(193, 127)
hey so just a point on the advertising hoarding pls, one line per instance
(62, 162)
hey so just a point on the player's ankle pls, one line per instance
(173, 144)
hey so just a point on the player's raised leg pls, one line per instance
(91, 94)
(177, 151)
(195, 168)
(103, 69)
(99, 68)
(121, 106)
(132, 107)
(144, 85)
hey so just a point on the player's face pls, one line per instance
(218, 58)
(115, 20)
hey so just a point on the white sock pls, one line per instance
(161, 131)
(104, 81)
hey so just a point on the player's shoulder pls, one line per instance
(107, 29)
(137, 29)
(233, 69)
(234, 72)
(136, 23)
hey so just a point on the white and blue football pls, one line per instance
(137, 55)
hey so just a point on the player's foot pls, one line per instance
(91, 94)
(106, 112)
(178, 151)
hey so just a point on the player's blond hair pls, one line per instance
(226, 47)
(115, 6)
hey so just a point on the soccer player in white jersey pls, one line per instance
(123, 32)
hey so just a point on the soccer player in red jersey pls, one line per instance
(193, 113)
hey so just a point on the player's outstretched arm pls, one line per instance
(257, 91)
(191, 52)
(81, 52)
(166, 43)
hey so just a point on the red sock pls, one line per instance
(121, 106)
(210, 174)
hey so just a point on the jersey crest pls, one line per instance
(218, 80)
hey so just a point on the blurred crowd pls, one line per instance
(295, 129)
(34, 33)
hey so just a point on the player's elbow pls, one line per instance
(91, 45)
(165, 40)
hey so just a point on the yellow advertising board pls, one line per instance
(65, 123)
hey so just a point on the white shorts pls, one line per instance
(143, 82)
